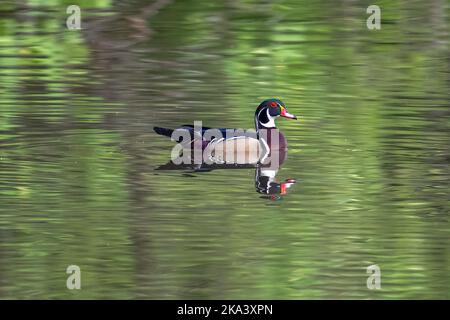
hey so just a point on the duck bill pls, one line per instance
(286, 185)
(287, 115)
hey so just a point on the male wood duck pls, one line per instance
(234, 146)
(259, 149)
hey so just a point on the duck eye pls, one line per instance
(273, 104)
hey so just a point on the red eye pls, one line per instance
(273, 104)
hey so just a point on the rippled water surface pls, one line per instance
(369, 153)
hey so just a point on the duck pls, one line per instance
(268, 141)
(235, 146)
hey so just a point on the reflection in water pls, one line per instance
(265, 175)
(78, 183)
(267, 184)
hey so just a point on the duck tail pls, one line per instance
(163, 131)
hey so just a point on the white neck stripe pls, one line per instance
(270, 123)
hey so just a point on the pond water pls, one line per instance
(370, 154)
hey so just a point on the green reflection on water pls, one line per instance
(77, 153)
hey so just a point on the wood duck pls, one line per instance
(234, 146)
(269, 142)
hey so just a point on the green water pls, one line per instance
(370, 152)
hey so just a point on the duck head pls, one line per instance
(268, 111)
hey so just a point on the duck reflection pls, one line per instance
(266, 183)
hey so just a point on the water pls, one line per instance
(78, 156)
